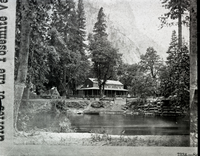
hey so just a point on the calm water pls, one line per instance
(130, 125)
(111, 124)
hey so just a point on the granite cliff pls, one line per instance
(121, 28)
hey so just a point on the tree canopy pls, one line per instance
(104, 56)
(57, 36)
(177, 8)
(175, 77)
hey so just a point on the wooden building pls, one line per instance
(111, 89)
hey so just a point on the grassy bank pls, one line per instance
(66, 136)
(94, 139)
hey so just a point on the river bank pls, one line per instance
(65, 136)
(92, 139)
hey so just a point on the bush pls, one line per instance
(58, 105)
(63, 105)
(97, 104)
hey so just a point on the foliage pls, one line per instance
(172, 48)
(123, 140)
(62, 105)
(142, 79)
(81, 20)
(176, 11)
(129, 76)
(100, 26)
(57, 50)
(175, 76)
(151, 64)
(104, 56)
(175, 8)
(97, 137)
(75, 65)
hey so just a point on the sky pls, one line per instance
(146, 13)
(146, 16)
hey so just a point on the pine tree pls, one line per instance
(66, 23)
(62, 40)
(72, 29)
(176, 9)
(169, 78)
(172, 48)
(176, 78)
(30, 25)
(104, 55)
(23, 59)
(81, 27)
(100, 26)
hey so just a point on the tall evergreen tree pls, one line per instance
(168, 79)
(72, 29)
(175, 78)
(100, 26)
(172, 50)
(65, 21)
(29, 17)
(76, 36)
(81, 27)
(104, 55)
(176, 9)
(23, 57)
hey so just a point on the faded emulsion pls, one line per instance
(37, 108)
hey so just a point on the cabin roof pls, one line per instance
(113, 82)
(97, 88)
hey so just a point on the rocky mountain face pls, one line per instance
(121, 29)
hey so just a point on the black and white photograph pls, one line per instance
(98, 77)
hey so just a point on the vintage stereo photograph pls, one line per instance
(98, 77)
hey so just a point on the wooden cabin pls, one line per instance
(112, 88)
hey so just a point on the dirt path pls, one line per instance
(118, 104)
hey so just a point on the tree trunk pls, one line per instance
(18, 92)
(100, 91)
(28, 90)
(64, 80)
(103, 90)
(28, 94)
(179, 29)
(193, 74)
(23, 60)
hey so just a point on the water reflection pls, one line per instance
(131, 125)
(112, 124)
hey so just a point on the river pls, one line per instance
(130, 124)
(112, 124)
